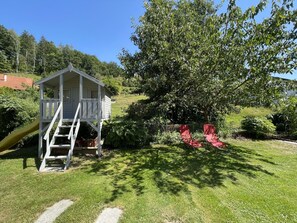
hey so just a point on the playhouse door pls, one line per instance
(70, 102)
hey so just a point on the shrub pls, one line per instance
(15, 112)
(156, 125)
(286, 117)
(126, 134)
(142, 110)
(294, 135)
(168, 138)
(257, 127)
(280, 121)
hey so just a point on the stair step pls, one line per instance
(52, 169)
(55, 157)
(61, 136)
(66, 126)
(61, 146)
(67, 120)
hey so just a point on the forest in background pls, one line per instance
(23, 53)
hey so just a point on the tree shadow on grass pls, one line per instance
(23, 153)
(172, 169)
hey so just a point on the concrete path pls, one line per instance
(54, 211)
(294, 143)
(109, 215)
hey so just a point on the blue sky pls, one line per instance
(97, 27)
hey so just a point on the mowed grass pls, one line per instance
(252, 181)
(122, 102)
(234, 119)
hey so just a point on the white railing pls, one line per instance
(72, 135)
(49, 107)
(74, 121)
(89, 108)
(46, 136)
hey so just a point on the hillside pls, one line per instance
(35, 77)
(24, 54)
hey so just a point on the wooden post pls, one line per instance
(40, 143)
(99, 112)
(80, 93)
(103, 105)
(61, 95)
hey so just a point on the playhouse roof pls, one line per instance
(70, 68)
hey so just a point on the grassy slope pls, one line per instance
(254, 181)
(234, 119)
(122, 102)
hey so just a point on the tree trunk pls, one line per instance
(17, 61)
(34, 58)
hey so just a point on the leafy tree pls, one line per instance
(196, 62)
(72, 56)
(48, 57)
(14, 39)
(28, 51)
(4, 63)
(113, 84)
(6, 49)
(112, 69)
(22, 53)
(10, 47)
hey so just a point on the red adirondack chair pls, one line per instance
(187, 137)
(211, 137)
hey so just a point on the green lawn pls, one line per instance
(122, 102)
(253, 181)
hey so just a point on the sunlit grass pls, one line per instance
(122, 102)
(252, 181)
(234, 119)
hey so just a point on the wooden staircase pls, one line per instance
(59, 149)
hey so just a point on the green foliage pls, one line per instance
(194, 61)
(23, 54)
(257, 127)
(7, 49)
(113, 84)
(16, 110)
(168, 138)
(4, 63)
(142, 110)
(28, 52)
(126, 134)
(286, 117)
(134, 84)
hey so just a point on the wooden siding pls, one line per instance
(71, 98)
(107, 107)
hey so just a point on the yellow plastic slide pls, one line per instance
(18, 134)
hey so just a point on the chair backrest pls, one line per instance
(209, 129)
(185, 133)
